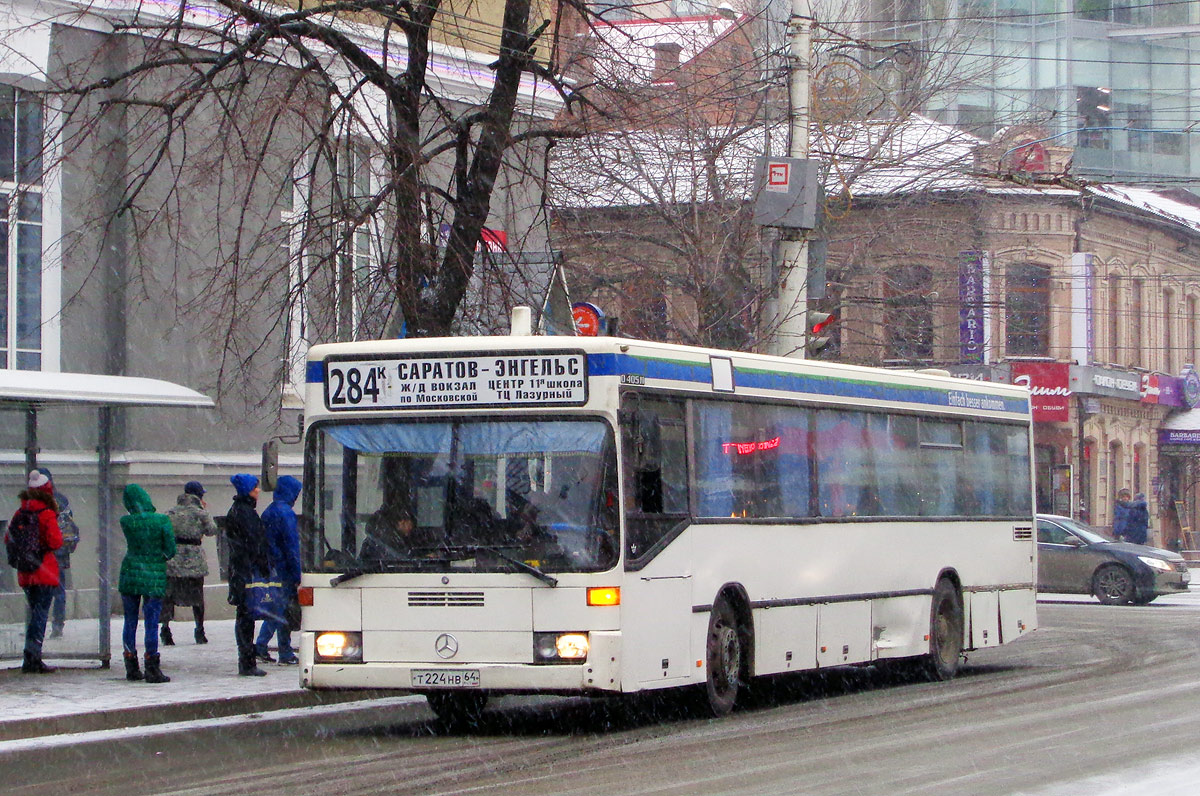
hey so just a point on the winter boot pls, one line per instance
(260, 652)
(153, 672)
(165, 634)
(200, 637)
(33, 665)
(249, 668)
(132, 672)
(198, 615)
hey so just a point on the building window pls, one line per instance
(1136, 328)
(908, 313)
(1027, 310)
(21, 128)
(1114, 318)
(1093, 108)
(1168, 337)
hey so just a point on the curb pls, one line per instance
(149, 715)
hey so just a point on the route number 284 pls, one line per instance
(354, 385)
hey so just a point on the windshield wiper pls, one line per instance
(471, 549)
(372, 568)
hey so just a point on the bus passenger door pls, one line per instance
(656, 604)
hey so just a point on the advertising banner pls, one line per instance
(1050, 384)
(971, 321)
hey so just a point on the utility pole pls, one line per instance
(791, 317)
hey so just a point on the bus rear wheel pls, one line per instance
(457, 709)
(725, 658)
(945, 632)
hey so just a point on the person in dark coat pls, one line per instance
(70, 534)
(41, 584)
(149, 542)
(283, 551)
(1137, 522)
(186, 571)
(1121, 510)
(247, 559)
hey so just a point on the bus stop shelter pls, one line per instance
(30, 393)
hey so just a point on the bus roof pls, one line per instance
(682, 364)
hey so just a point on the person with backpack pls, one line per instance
(30, 541)
(70, 534)
(149, 541)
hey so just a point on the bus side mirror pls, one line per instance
(270, 465)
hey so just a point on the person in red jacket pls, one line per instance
(42, 584)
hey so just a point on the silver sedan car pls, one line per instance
(1075, 558)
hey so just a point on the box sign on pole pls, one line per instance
(589, 320)
(788, 193)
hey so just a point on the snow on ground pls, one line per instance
(198, 672)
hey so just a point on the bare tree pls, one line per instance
(243, 157)
(674, 155)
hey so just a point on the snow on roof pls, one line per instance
(866, 159)
(626, 47)
(41, 388)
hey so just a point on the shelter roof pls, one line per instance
(38, 388)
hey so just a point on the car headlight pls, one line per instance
(339, 647)
(1155, 563)
(560, 647)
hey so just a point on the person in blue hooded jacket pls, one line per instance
(283, 552)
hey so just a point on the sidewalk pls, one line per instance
(82, 697)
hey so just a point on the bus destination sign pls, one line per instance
(524, 379)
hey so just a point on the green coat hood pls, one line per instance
(137, 500)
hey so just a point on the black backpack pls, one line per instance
(24, 542)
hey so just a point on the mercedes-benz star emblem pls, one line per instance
(446, 646)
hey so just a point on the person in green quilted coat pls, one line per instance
(149, 541)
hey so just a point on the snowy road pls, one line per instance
(1100, 700)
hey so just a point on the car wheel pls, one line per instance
(725, 654)
(1113, 585)
(457, 709)
(945, 632)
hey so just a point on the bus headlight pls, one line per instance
(339, 647)
(560, 647)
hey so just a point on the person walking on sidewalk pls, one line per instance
(150, 543)
(38, 512)
(70, 535)
(247, 558)
(186, 571)
(283, 552)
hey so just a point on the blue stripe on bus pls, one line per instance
(617, 364)
(314, 373)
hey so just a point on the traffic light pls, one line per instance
(818, 337)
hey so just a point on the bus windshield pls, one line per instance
(462, 494)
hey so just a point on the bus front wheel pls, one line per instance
(457, 708)
(945, 631)
(725, 654)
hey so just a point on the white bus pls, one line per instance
(565, 515)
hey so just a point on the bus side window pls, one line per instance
(655, 468)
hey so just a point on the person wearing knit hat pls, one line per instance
(38, 510)
(185, 572)
(247, 560)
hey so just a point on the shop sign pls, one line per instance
(1178, 436)
(1050, 385)
(1191, 387)
(1102, 381)
(996, 373)
(1170, 390)
(1150, 389)
(971, 319)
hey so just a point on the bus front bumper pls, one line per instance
(599, 673)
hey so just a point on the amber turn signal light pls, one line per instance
(604, 595)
